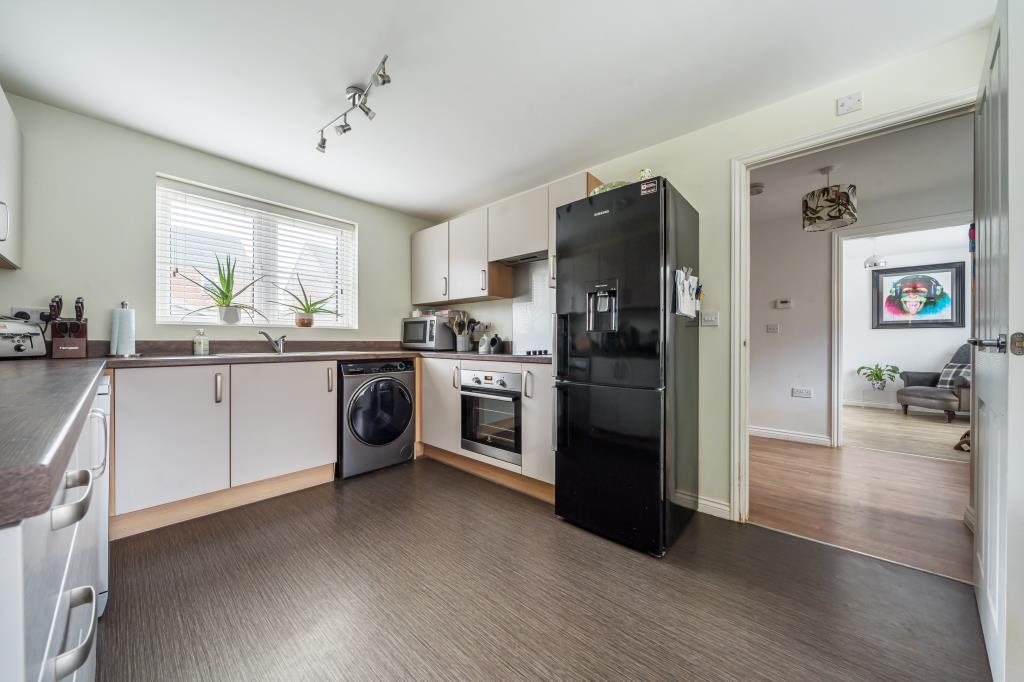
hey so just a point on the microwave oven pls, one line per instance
(428, 332)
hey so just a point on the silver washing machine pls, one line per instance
(376, 414)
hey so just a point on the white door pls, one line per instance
(172, 434)
(538, 389)
(998, 375)
(284, 418)
(429, 254)
(467, 255)
(442, 408)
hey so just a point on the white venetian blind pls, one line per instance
(196, 224)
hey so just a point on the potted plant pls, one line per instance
(223, 293)
(305, 307)
(878, 375)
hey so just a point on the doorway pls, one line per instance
(827, 460)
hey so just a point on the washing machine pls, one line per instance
(377, 420)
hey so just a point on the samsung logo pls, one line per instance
(607, 210)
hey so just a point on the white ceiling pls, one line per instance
(917, 242)
(930, 157)
(489, 98)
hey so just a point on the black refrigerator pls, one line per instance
(626, 365)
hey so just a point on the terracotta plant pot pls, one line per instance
(303, 319)
(229, 314)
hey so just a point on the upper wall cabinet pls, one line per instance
(565, 191)
(518, 226)
(430, 265)
(10, 187)
(470, 275)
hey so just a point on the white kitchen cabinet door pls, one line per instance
(430, 283)
(560, 193)
(538, 457)
(518, 226)
(172, 433)
(284, 418)
(10, 187)
(442, 408)
(467, 255)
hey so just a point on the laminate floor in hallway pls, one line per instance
(425, 572)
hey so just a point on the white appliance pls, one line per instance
(19, 339)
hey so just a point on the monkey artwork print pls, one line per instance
(917, 296)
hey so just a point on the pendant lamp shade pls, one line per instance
(830, 207)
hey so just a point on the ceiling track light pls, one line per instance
(356, 96)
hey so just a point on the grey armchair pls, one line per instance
(920, 389)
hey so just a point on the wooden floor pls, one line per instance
(917, 433)
(423, 572)
(900, 507)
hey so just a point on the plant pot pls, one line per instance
(229, 314)
(463, 344)
(878, 385)
(303, 319)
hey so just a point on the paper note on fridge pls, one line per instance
(686, 293)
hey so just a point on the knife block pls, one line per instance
(72, 343)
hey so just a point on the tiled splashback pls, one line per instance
(532, 307)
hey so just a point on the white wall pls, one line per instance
(925, 350)
(89, 225)
(698, 165)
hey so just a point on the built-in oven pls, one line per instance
(492, 414)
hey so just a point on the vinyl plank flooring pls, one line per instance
(423, 571)
(917, 433)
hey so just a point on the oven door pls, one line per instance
(492, 423)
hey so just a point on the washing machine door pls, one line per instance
(380, 411)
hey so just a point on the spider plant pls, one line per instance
(222, 290)
(879, 374)
(305, 305)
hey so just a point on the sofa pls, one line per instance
(920, 389)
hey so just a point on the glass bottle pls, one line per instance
(200, 343)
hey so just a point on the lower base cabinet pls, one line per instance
(442, 411)
(538, 403)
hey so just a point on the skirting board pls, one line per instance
(970, 518)
(524, 484)
(132, 523)
(795, 436)
(705, 505)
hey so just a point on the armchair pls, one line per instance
(920, 389)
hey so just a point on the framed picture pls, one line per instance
(918, 296)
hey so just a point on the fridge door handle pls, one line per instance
(557, 435)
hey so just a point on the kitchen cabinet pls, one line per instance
(429, 254)
(173, 434)
(10, 187)
(538, 389)
(284, 418)
(442, 411)
(518, 226)
(560, 193)
(471, 276)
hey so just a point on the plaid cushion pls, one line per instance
(951, 371)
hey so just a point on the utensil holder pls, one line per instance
(69, 338)
(463, 344)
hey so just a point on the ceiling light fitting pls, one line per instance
(874, 260)
(756, 188)
(356, 96)
(830, 207)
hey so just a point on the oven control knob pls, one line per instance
(476, 380)
(20, 348)
(501, 382)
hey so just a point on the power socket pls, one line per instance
(30, 313)
(802, 392)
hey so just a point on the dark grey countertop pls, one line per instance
(249, 358)
(43, 405)
(497, 357)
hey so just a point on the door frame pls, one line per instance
(951, 105)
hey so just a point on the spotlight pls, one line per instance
(322, 145)
(382, 76)
(343, 127)
(366, 110)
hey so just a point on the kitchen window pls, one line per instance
(279, 244)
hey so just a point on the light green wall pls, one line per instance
(699, 165)
(89, 225)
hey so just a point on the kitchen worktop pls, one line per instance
(249, 358)
(483, 357)
(42, 409)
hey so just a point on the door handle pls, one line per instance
(218, 387)
(998, 342)
(73, 512)
(527, 380)
(7, 214)
(444, 285)
(455, 377)
(552, 274)
(330, 380)
(483, 280)
(71, 660)
(102, 466)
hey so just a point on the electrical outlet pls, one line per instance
(802, 392)
(709, 318)
(849, 104)
(772, 328)
(30, 313)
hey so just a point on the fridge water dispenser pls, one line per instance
(603, 308)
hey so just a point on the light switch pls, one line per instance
(783, 303)
(709, 318)
(772, 328)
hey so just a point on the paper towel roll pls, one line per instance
(122, 331)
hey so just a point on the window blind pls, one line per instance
(196, 224)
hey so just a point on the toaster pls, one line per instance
(21, 339)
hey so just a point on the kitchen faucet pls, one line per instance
(278, 344)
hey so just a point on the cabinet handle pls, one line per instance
(444, 285)
(483, 280)
(218, 387)
(102, 466)
(551, 267)
(7, 212)
(330, 380)
(71, 660)
(73, 512)
(528, 379)
(455, 377)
